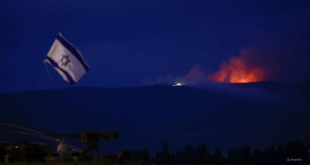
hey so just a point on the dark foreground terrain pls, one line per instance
(225, 115)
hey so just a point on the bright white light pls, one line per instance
(178, 84)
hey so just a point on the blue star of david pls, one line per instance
(65, 60)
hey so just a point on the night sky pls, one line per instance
(141, 42)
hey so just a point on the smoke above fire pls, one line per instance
(281, 54)
(270, 56)
(236, 71)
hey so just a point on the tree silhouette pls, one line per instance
(272, 155)
(232, 157)
(166, 154)
(189, 156)
(202, 154)
(299, 150)
(239, 156)
(145, 155)
(179, 157)
(290, 149)
(257, 159)
(136, 155)
(265, 155)
(141, 155)
(165, 147)
(281, 151)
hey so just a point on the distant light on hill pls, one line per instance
(178, 84)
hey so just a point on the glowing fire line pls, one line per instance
(237, 72)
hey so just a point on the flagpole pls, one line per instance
(30, 92)
(26, 103)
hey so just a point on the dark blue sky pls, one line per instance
(123, 41)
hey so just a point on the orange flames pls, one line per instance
(237, 72)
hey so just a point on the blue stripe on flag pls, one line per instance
(72, 50)
(54, 64)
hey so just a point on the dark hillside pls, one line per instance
(146, 116)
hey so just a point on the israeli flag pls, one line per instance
(67, 60)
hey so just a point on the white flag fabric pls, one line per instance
(67, 60)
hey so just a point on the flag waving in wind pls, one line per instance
(67, 60)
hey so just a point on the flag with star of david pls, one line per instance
(67, 60)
